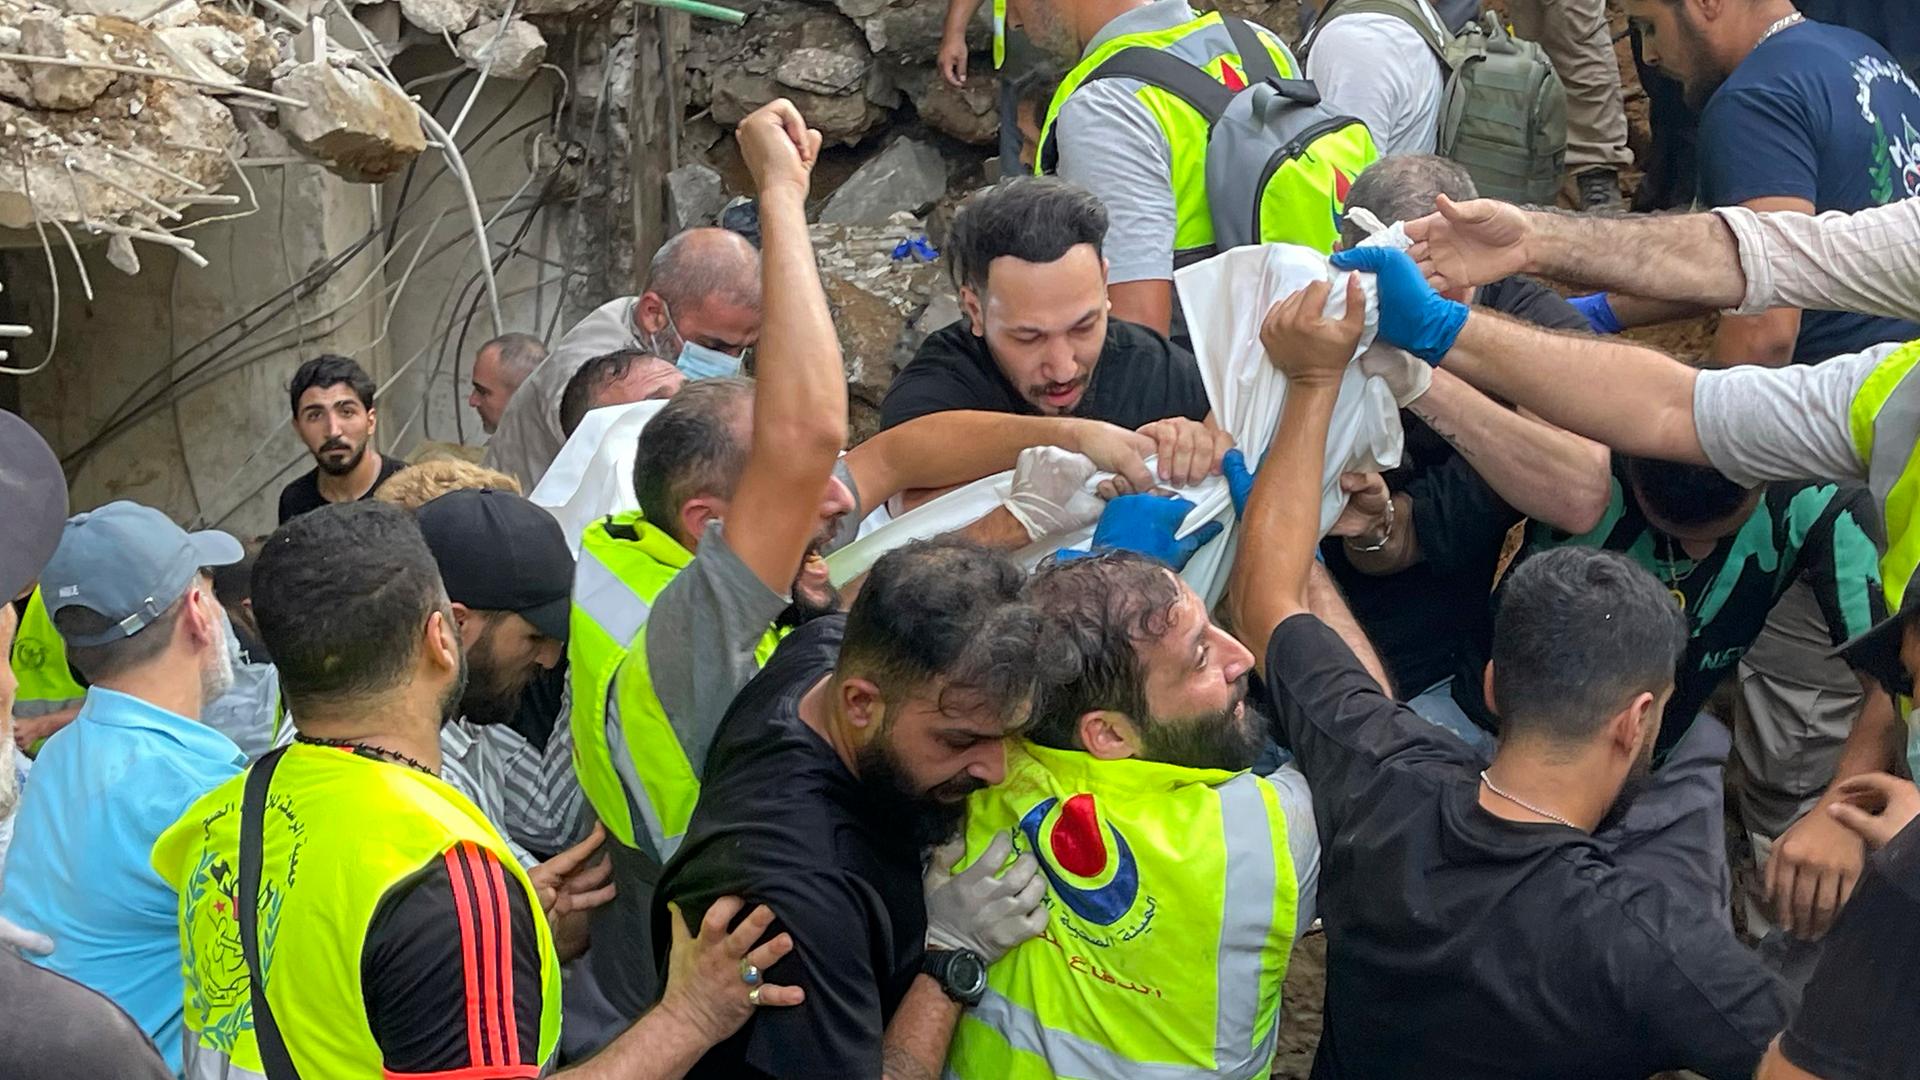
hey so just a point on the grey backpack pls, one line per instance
(1504, 113)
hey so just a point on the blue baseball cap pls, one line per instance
(127, 563)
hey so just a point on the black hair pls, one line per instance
(97, 662)
(1035, 219)
(593, 377)
(1579, 632)
(1685, 495)
(340, 595)
(329, 370)
(1404, 187)
(1036, 90)
(947, 619)
(1105, 605)
(691, 447)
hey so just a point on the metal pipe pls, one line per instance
(705, 10)
(151, 73)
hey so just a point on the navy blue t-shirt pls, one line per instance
(1819, 113)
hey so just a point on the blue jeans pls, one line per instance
(1436, 706)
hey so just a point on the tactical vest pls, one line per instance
(323, 875)
(39, 662)
(1287, 199)
(640, 781)
(1170, 917)
(1885, 424)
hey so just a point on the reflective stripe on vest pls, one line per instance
(39, 662)
(1204, 43)
(1148, 867)
(1885, 423)
(624, 563)
(999, 33)
(323, 876)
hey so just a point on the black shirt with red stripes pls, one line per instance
(451, 970)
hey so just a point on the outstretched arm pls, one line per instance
(800, 396)
(1545, 473)
(1690, 258)
(959, 446)
(1281, 524)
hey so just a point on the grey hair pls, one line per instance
(699, 264)
(1403, 187)
(518, 353)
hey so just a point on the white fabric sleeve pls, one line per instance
(1867, 262)
(1760, 424)
(1110, 145)
(1376, 68)
(1303, 842)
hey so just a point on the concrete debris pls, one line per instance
(359, 128)
(516, 55)
(732, 70)
(909, 175)
(206, 52)
(695, 197)
(440, 16)
(878, 304)
(908, 30)
(44, 33)
(970, 113)
(121, 254)
(822, 71)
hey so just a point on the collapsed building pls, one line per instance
(197, 196)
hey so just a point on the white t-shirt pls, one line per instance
(1376, 67)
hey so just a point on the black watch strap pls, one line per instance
(960, 972)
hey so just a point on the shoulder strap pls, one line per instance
(1255, 60)
(1407, 11)
(253, 806)
(1208, 95)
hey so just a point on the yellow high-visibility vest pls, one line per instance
(1170, 917)
(1884, 420)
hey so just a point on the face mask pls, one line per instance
(697, 361)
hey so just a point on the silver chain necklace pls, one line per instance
(1520, 802)
(1780, 24)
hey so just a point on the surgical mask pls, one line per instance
(697, 361)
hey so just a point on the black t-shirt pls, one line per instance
(782, 822)
(52, 1028)
(1858, 1016)
(1418, 617)
(1463, 945)
(449, 984)
(1819, 533)
(1140, 377)
(302, 493)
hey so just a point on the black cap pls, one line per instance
(499, 552)
(1876, 653)
(33, 492)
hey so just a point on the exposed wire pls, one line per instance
(485, 57)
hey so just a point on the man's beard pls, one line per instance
(1706, 78)
(803, 609)
(1639, 778)
(929, 817)
(450, 698)
(1229, 739)
(343, 468)
(492, 693)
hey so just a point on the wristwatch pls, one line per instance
(960, 972)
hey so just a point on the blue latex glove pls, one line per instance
(1598, 310)
(1412, 315)
(1239, 479)
(1145, 525)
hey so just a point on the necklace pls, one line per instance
(1522, 803)
(1674, 581)
(1780, 24)
(362, 749)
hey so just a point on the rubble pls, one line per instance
(441, 16)
(43, 33)
(908, 30)
(359, 128)
(878, 303)
(516, 55)
(909, 175)
(835, 83)
(970, 113)
(695, 197)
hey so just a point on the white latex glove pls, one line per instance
(23, 941)
(1049, 494)
(982, 911)
(1407, 376)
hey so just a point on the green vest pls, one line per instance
(1885, 423)
(642, 775)
(340, 832)
(39, 663)
(1170, 916)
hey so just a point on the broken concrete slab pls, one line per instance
(908, 175)
(970, 113)
(908, 30)
(441, 16)
(735, 70)
(359, 128)
(44, 33)
(695, 197)
(823, 71)
(514, 52)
